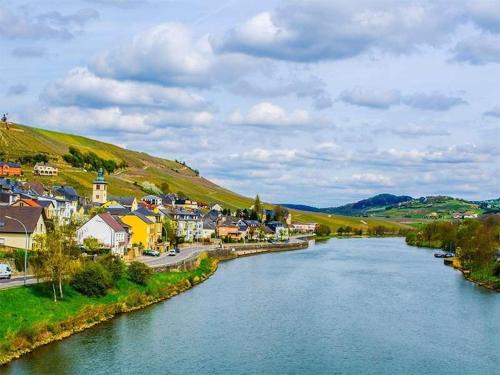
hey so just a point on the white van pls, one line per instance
(5, 271)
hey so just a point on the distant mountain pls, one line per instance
(362, 206)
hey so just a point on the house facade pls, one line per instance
(108, 231)
(13, 234)
(45, 169)
(142, 230)
(10, 169)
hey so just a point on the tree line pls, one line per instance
(91, 161)
(475, 241)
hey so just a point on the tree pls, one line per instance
(139, 273)
(280, 213)
(165, 187)
(92, 280)
(57, 256)
(170, 230)
(92, 245)
(323, 230)
(257, 207)
(181, 195)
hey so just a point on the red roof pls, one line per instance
(112, 222)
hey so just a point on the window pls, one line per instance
(97, 196)
(98, 187)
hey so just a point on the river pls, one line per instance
(347, 306)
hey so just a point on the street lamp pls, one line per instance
(26, 248)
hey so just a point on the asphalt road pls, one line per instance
(166, 260)
(16, 281)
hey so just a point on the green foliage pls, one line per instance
(91, 244)
(93, 280)
(114, 265)
(165, 187)
(91, 161)
(19, 259)
(139, 273)
(475, 241)
(182, 195)
(150, 188)
(323, 230)
(33, 159)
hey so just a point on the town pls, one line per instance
(124, 225)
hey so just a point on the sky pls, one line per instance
(313, 102)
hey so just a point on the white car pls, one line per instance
(5, 271)
(172, 253)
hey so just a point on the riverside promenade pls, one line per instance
(188, 255)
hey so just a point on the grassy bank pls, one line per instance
(30, 318)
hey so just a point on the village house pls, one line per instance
(208, 229)
(280, 230)
(128, 202)
(189, 224)
(65, 199)
(108, 231)
(10, 169)
(45, 169)
(304, 227)
(12, 232)
(186, 204)
(142, 230)
(152, 200)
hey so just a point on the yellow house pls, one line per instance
(142, 230)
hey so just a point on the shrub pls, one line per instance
(496, 269)
(92, 280)
(114, 265)
(323, 230)
(19, 260)
(139, 273)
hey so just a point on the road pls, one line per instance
(166, 260)
(16, 281)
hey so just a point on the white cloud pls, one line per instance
(81, 87)
(269, 114)
(320, 29)
(114, 119)
(168, 53)
(371, 98)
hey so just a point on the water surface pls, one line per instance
(353, 306)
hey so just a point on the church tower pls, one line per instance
(100, 189)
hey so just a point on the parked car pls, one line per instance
(5, 271)
(172, 253)
(177, 250)
(151, 253)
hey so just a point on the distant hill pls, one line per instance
(405, 207)
(20, 141)
(365, 205)
(301, 207)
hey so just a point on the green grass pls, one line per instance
(485, 274)
(24, 308)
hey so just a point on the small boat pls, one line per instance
(439, 255)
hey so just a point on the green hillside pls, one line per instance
(20, 140)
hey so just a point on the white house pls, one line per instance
(108, 231)
(44, 169)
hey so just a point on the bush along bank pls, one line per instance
(30, 318)
(474, 242)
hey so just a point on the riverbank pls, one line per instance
(481, 276)
(31, 319)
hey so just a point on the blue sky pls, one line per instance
(315, 102)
